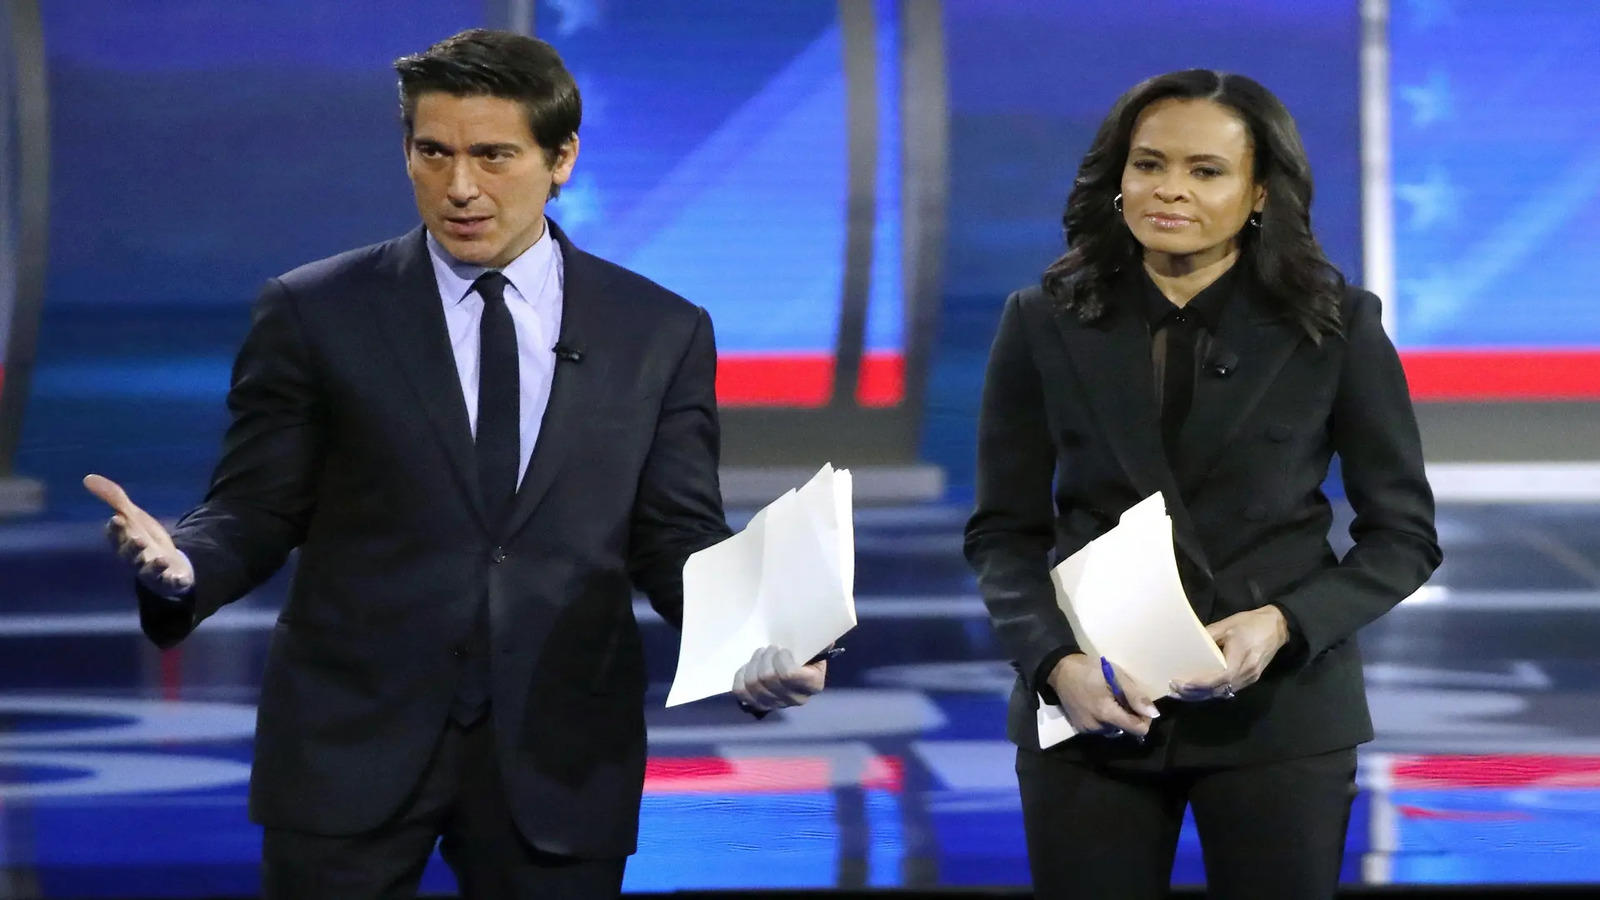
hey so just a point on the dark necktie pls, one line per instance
(1177, 387)
(499, 389)
(498, 440)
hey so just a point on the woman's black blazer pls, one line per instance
(1069, 437)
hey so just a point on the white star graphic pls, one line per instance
(1432, 200)
(578, 205)
(1426, 303)
(573, 16)
(1430, 102)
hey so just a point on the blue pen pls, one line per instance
(1110, 675)
(1111, 682)
(829, 653)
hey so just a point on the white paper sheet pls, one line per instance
(787, 580)
(1124, 600)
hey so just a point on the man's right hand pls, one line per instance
(1089, 704)
(142, 542)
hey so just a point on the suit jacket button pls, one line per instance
(459, 651)
(498, 555)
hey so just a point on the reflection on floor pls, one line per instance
(122, 770)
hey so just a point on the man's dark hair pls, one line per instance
(1282, 252)
(481, 62)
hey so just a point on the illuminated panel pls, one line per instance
(1494, 819)
(724, 176)
(1496, 167)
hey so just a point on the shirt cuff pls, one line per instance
(1041, 676)
(1297, 635)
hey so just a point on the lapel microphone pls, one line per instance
(1221, 362)
(567, 353)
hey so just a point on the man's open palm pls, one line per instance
(141, 541)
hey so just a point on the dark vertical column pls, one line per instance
(924, 185)
(858, 25)
(22, 51)
(510, 15)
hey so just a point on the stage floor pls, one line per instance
(122, 770)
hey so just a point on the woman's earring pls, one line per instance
(1255, 219)
(1116, 203)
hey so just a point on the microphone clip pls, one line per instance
(1222, 363)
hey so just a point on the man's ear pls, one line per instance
(566, 158)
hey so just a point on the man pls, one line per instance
(477, 435)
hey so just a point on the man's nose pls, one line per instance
(463, 187)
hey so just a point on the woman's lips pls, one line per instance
(1167, 221)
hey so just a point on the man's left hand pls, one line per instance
(773, 680)
(1248, 640)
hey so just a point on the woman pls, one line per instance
(1194, 340)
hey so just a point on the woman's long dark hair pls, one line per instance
(1285, 256)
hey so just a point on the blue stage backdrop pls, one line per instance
(1030, 81)
(716, 161)
(200, 148)
(1496, 144)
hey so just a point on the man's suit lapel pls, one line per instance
(578, 385)
(411, 317)
(1257, 342)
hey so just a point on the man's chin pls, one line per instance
(472, 251)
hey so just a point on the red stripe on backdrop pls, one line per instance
(805, 380)
(172, 673)
(883, 380)
(1462, 815)
(752, 775)
(766, 775)
(1503, 374)
(1494, 771)
(777, 379)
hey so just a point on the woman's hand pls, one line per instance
(1249, 641)
(1089, 704)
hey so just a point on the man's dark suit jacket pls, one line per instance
(1070, 437)
(349, 439)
